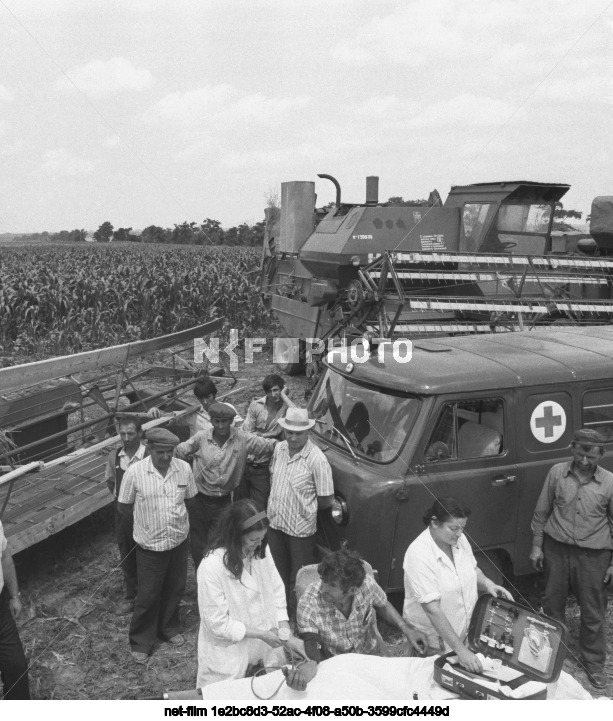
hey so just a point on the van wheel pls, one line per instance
(286, 350)
(494, 565)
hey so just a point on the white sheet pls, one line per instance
(354, 677)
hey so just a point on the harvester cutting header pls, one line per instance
(485, 260)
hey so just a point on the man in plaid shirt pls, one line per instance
(337, 613)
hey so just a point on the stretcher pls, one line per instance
(356, 677)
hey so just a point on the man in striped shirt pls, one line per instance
(156, 491)
(301, 485)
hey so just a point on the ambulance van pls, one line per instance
(480, 418)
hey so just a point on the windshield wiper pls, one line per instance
(347, 442)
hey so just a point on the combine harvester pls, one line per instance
(59, 416)
(484, 261)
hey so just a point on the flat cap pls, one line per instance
(588, 437)
(162, 437)
(221, 410)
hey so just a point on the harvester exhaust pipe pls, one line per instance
(337, 185)
(372, 190)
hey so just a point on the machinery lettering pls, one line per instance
(432, 242)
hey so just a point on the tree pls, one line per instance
(104, 233)
(213, 231)
(122, 234)
(560, 215)
(183, 233)
(397, 200)
(78, 235)
(155, 234)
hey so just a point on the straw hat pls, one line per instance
(296, 419)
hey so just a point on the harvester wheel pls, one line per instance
(286, 350)
(355, 294)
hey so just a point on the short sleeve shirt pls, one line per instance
(429, 575)
(160, 516)
(296, 483)
(338, 634)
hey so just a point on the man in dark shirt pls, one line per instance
(219, 459)
(120, 459)
(572, 531)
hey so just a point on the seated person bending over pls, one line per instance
(336, 613)
(241, 600)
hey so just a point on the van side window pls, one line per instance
(468, 429)
(598, 412)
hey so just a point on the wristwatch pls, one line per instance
(17, 595)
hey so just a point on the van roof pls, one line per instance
(500, 360)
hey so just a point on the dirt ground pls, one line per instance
(79, 649)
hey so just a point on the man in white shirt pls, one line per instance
(131, 451)
(13, 663)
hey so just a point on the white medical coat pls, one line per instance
(227, 606)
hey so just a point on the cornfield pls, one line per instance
(60, 300)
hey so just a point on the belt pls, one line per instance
(258, 464)
(217, 499)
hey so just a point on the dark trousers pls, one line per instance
(13, 663)
(257, 480)
(161, 583)
(124, 532)
(290, 554)
(580, 571)
(203, 514)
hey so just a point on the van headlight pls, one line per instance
(339, 511)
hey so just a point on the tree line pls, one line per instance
(210, 232)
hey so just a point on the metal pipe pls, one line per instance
(337, 185)
(372, 190)
(104, 417)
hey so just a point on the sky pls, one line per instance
(146, 112)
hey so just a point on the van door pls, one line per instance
(545, 425)
(467, 451)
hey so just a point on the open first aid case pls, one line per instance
(523, 652)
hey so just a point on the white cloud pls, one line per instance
(269, 159)
(222, 104)
(62, 163)
(5, 94)
(464, 40)
(10, 148)
(587, 89)
(100, 79)
(388, 107)
(113, 141)
(466, 109)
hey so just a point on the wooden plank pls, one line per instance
(24, 537)
(36, 503)
(42, 403)
(29, 374)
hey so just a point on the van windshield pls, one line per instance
(366, 422)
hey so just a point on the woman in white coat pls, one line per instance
(442, 581)
(241, 599)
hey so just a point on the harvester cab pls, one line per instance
(484, 261)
